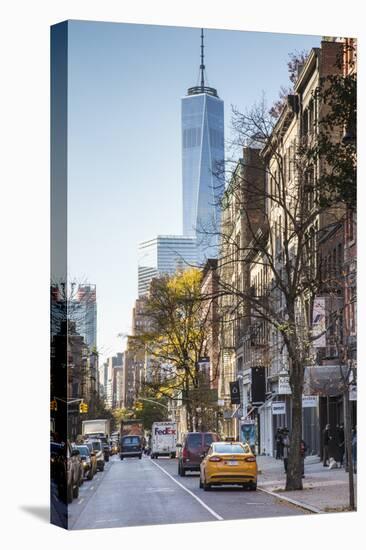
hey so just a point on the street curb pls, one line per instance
(307, 507)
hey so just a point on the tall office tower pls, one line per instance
(85, 308)
(163, 255)
(77, 304)
(202, 157)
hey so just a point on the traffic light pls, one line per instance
(83, 408)
(54, 405)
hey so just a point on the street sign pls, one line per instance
(235, 393)
(278, 407)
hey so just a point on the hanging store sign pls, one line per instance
(352, 387)
(284, 384)
(353, 392)
(235, 393)
(319, 323)
(309, 401)
(278, 407)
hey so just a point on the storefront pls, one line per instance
(329, 383)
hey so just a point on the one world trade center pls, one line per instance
(202, 161)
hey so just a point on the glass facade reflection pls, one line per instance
(202, 157)
(164, 255)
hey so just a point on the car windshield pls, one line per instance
(96, 445)
(130, 440)
(227, 448)
(84, 450)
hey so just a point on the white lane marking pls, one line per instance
(212, 512)
(91, 488)
(81, 500)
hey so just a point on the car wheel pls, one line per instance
(121, 457)
(182, 472)
(253, 486)
(101, 468)
(140, 456)
(90, 475)
(206, 486)
(172, 455)
(75, 492)
(201, 484)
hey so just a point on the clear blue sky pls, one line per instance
(125, 85)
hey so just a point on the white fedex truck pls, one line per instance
(163, 439)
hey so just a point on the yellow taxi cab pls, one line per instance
(228, 463)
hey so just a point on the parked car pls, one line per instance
(192, 449)
(96, 446)
(131, 445)
(57, 460)
(228, 463)
(65, 465)
(88, 460)
(80, 464)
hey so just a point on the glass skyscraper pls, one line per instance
(163, 255)
(202, 158)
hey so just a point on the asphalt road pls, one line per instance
(150, 492)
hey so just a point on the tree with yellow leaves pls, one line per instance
(175, 339)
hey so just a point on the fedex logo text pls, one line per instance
(165, 431)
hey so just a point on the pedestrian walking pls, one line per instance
(279, 444)
(303, 449)
(340, 444)
(285, 447)
(327, 438)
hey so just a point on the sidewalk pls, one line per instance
(324, 490)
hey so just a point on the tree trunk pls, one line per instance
(294, 469)
(188, 404)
